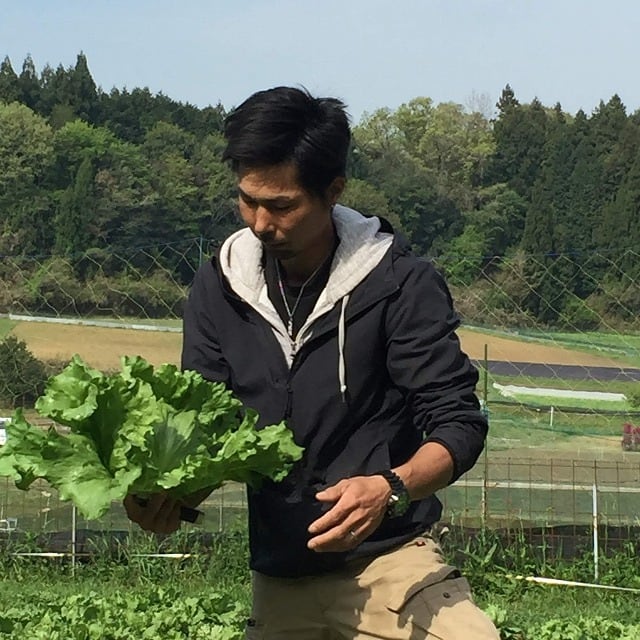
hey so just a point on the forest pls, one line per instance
(510, 201)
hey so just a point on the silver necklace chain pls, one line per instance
(291, 311)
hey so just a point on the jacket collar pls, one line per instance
(362, 247)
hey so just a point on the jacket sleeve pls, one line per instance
(200, 347)
(425, 361)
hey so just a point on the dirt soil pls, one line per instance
(102, 347)
(513, 350)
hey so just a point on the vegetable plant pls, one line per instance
(140, 431)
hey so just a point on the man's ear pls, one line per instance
(335, 189)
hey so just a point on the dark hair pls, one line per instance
(285, 124)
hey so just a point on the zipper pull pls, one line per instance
(287, 409)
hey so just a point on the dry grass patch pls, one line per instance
(513, 350)
(100, 347)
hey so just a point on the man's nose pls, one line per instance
(262, 221)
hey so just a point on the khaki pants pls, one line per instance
(406, 594)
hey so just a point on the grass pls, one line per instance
(488, 560)
(5, 327)
(536, 429)
(589, 384)
(595, 406)
(173, 323)
(596, 340)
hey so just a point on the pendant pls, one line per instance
(290, 328)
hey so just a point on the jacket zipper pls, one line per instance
(292, 370)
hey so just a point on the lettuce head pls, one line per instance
(139, 431)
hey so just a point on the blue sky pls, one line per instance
(370, 53)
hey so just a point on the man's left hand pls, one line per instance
(359, 505)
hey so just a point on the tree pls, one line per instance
(555, 235)
(168, 139)
(9, 84)
(382, 158)
(217, 192)
(620, 227)
(22, 375)
(412, 120)
(130, 114)
(83, 96)
(520, 135)
(125, 201)
(368, 200)
(76, 141)
(74, 230)
(29, 84)
(454, 149)
(26, 155)
(499, 219)
(54, 96)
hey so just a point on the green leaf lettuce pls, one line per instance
(141, 430)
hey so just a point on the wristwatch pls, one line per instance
(399, 500)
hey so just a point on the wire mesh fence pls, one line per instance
(502, 492)
(556, 338)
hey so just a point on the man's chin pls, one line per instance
(279, 252)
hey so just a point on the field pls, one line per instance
(103, 346)
(531, 455)
(206, 595)
(531, 432)
(518, 429)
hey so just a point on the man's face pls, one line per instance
(286, 218)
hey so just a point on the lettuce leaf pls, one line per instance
(141, 430)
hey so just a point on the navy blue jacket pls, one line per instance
(407, 382)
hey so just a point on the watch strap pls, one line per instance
(399, 500)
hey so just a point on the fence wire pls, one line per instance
(498, 493)
(556, 339)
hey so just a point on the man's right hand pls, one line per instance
(159, 513)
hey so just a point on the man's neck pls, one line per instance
(297, 270)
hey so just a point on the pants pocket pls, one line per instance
(446, 611)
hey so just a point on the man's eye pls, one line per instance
(281, 207)
(249, 202)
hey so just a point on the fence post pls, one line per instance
(485, 409)
(221, 510)
(73, 540)
(595, 531)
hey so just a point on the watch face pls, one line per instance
(398, 504)
(401, 505)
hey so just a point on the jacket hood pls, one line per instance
(362, 247)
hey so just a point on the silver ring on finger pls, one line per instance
(353, 534)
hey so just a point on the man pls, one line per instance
(320, 316)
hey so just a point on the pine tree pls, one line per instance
(73, 224)
(83, 94)
(520, 135)
(9, 84)
(29, 84)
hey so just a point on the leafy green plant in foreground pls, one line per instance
(141, 431)
(157, 612)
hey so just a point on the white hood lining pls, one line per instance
(362, 247)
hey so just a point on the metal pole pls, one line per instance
(595, 531)
(485, 408)
(73, 540)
